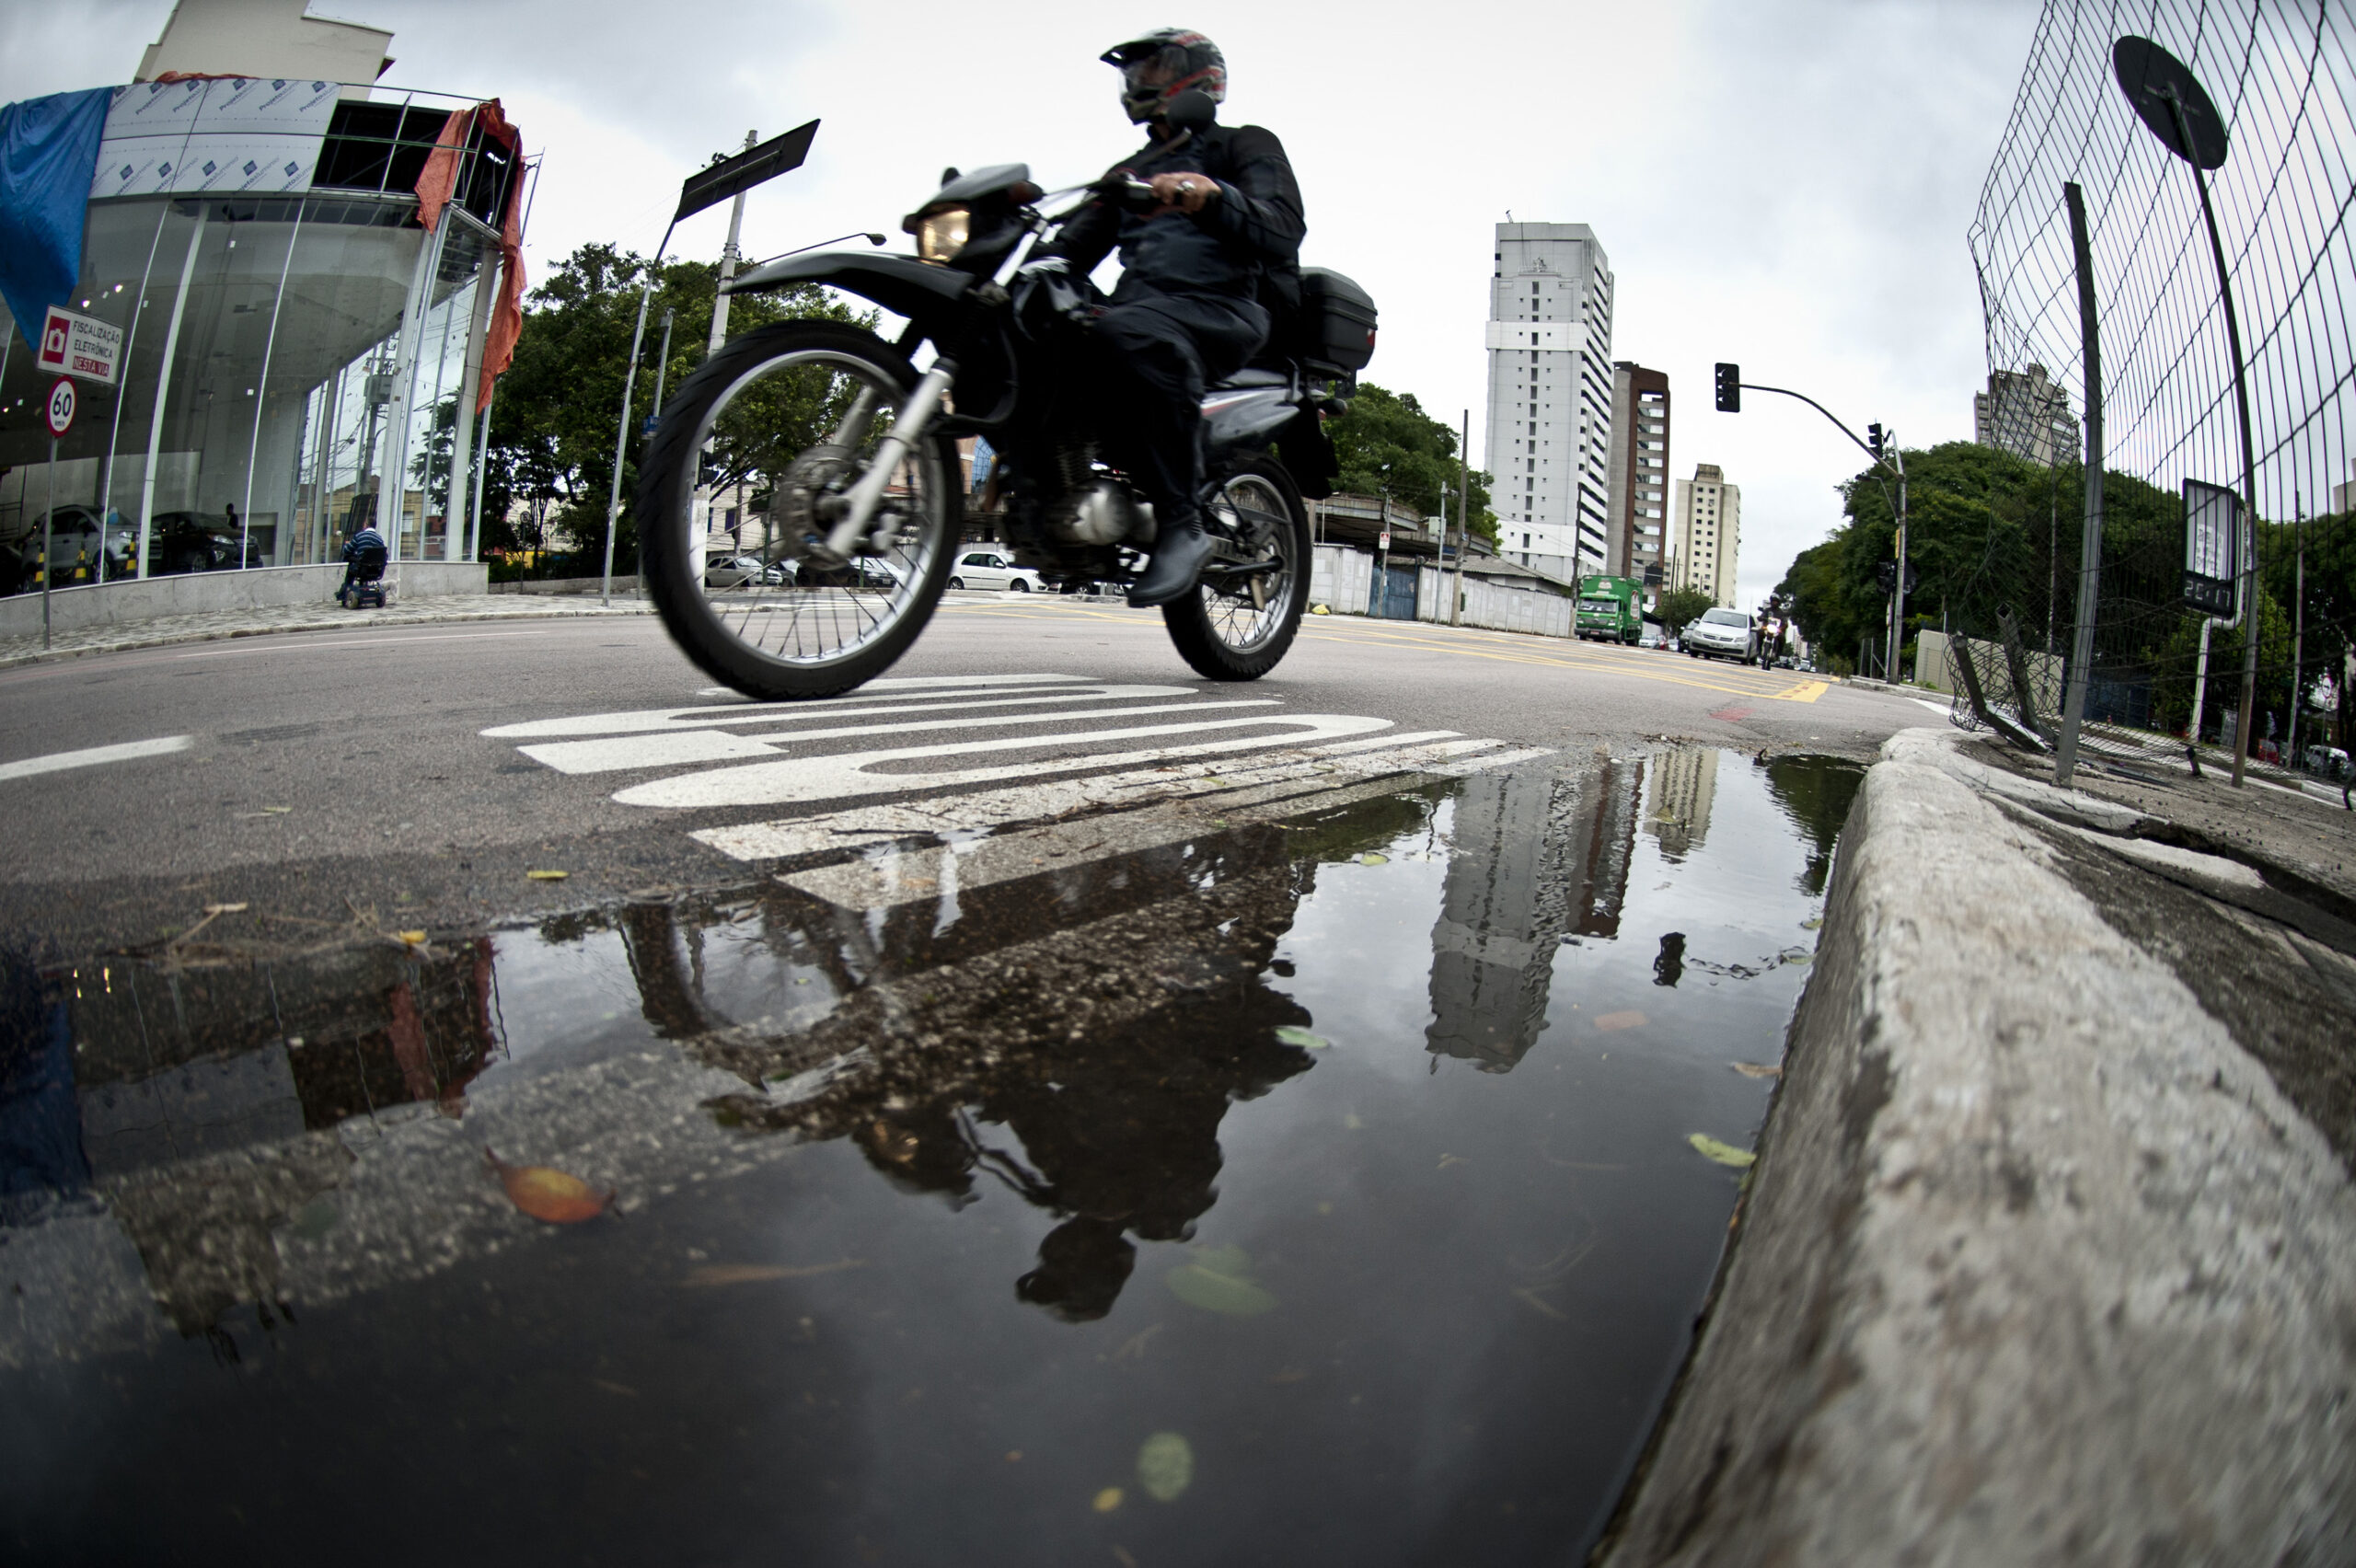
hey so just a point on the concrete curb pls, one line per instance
(361, 620)
(2039, 1265)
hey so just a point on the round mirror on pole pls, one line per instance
(2154, 80)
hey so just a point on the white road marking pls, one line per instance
(306, 644)
(941, 872)
(982, 811)
(58, 762)
(850, 775)
(652, 720)
(712, 745)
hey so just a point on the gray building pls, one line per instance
(1549, 396)
(2027, 414)
(1637, 475)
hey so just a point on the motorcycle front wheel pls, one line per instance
(1236, 626)
(794, 412)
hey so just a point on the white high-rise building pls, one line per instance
(1709, 532)
(1549, 396)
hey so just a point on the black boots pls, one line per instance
(1178, 556)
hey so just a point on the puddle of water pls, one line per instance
(1315, 1189)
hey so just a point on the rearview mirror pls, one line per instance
(1190, 110)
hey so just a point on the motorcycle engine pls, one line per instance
(1102, 513)
(1093, 509)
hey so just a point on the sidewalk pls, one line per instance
(329, 616)
(2050, 1253)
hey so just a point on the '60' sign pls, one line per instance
(60, 410)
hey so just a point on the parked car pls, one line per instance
(1723, 634)
(1651, 638)
(195, 541)
(990, 569)
(735, 571)
(74, 544)
(863, 572)
(2325, 762)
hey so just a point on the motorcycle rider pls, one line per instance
(1187, 310)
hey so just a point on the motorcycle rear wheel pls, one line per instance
(1220, 628)
(781, 392)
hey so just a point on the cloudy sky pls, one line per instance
(1786, 183)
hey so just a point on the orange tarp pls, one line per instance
(434, 187)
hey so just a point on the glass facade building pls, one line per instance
(302, 355)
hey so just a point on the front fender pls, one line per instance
(901, 284)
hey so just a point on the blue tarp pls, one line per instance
(49, 154)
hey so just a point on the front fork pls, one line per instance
(858, 506)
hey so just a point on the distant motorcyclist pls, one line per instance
(1187, 311)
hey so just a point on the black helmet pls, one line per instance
(1158, 66)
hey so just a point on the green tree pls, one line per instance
(1386, 443)
(1680, 605)
(553, 420)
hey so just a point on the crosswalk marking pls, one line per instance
(656, 720)
(715, 745)
(966, 864)
(726, 755)
(851, 773)
(982, 811)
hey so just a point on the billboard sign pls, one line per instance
(77, 345)
(2212, 542)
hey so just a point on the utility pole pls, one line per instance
(728, 264)
(1463, 517)
(2298, 626)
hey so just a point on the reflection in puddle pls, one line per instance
(963, 1188)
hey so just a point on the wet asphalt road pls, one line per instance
(345, 781)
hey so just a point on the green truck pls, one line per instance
(1611, 609)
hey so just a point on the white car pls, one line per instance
(1723, 634)
(734, 571)
(988, 569)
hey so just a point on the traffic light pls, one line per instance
(1885, 574)
(1873, 439)
(1729, 388)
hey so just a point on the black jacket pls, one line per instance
(1247, 236)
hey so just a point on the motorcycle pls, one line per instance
(855, 450)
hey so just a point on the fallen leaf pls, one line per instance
(1220, 1280)
(547, 876)
(1812, 925)
(1724, 1153)
(750, 1273)
(548, 1194)
(1293, 1034)
(225, 909)
(1371, 859)
(1166, 1466)
(1627, 1020)
(1107, 1500)
(411, 937)
(1448, 1160)
(1756, 1069)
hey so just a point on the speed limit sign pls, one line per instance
(59, 411)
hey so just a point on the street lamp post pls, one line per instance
(2175, 108)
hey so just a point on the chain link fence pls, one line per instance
(2283, 77)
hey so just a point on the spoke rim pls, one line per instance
(1233, 620)
(811, 626)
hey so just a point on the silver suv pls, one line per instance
(1723, 634)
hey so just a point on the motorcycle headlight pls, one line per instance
(941, 235)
